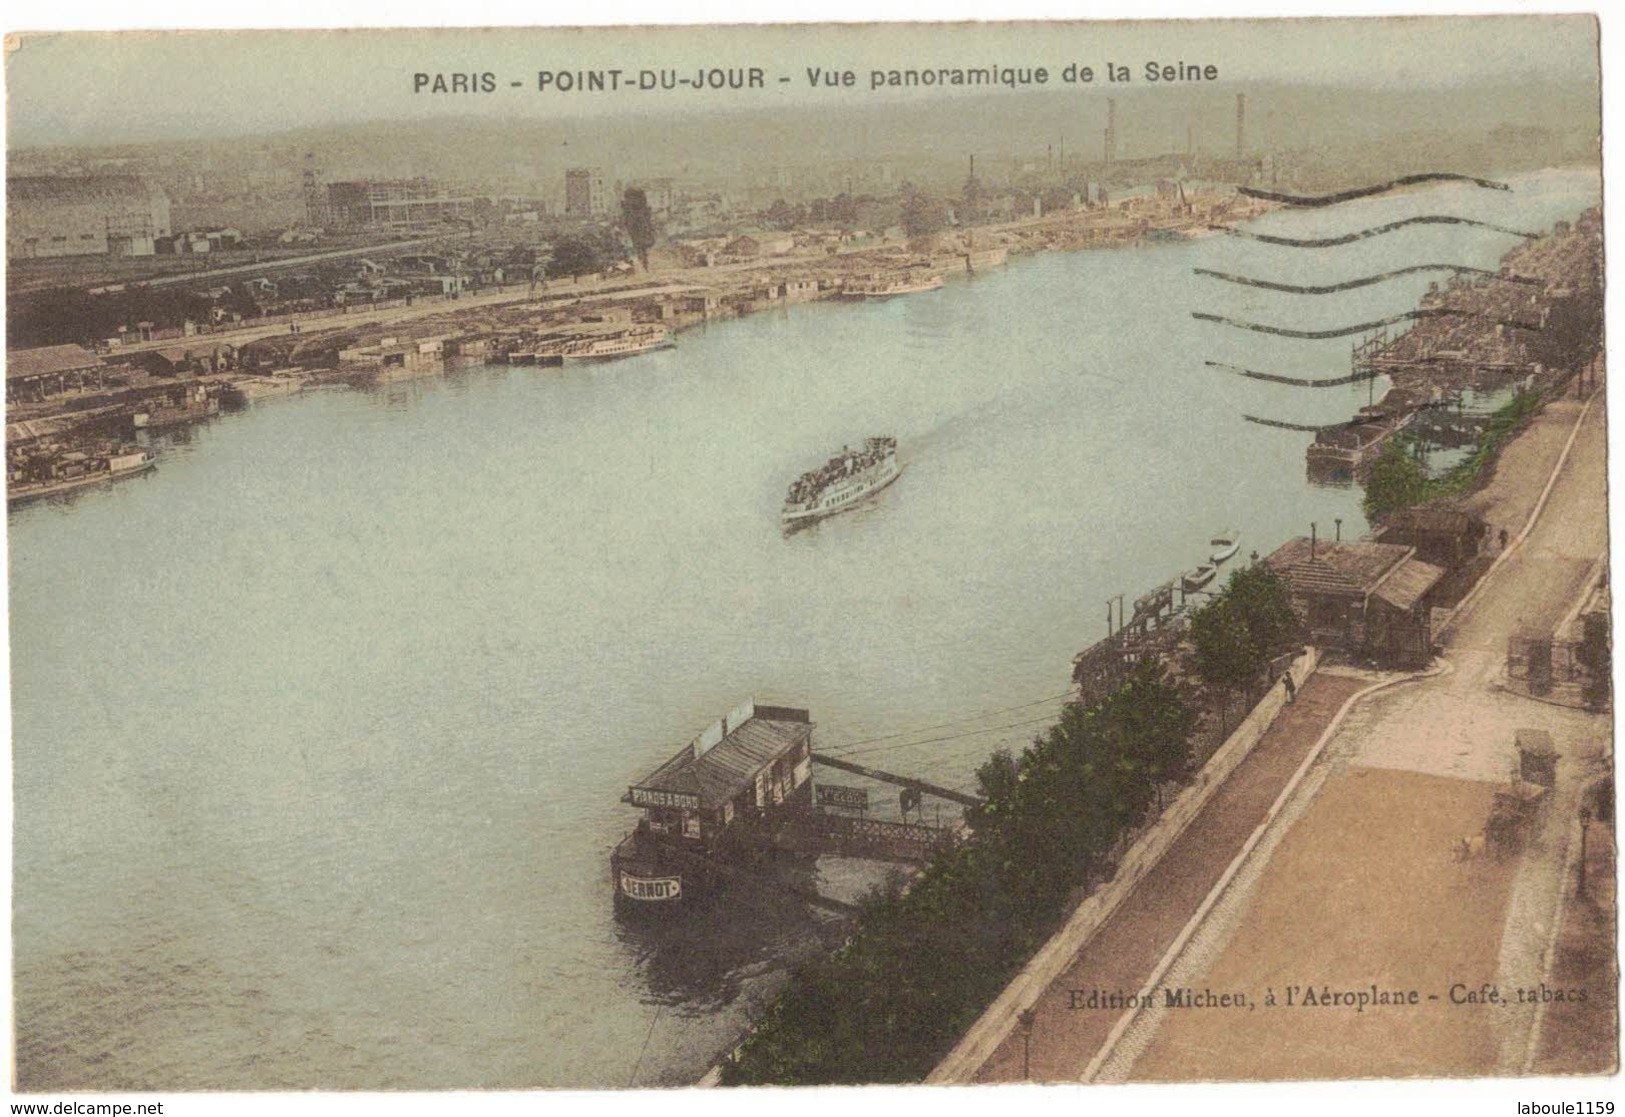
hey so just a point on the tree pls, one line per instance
(1235, 636)
(579, 254)
(780, 215)
(922, 216)
(1224, 651)
(1260, 596)
(1397, 480)
(1056, 198)
(639, 223)
(843, 210)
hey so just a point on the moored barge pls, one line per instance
(715, 802)
(75, 470)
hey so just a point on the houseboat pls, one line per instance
(75, 470)
(890, 285)
(841, 482)
(716, 801)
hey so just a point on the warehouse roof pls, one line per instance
(48, 360)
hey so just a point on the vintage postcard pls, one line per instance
(798, 555)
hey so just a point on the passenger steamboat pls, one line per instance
(841, 482)
(888, 286)
(597, 345)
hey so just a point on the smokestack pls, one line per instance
(1111, 130)
(1311, 542)
(1241, 124)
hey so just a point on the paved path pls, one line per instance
(1121, 957)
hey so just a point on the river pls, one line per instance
(320, 728)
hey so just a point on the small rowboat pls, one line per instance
(1196, 579)
(1224, 544)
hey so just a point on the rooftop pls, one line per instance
(1408, 583)
(75, 188)
(1343, 568)
(48, 360)
(725, 759)
(1446, 520)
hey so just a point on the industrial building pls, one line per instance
(91, 215)
(395, 202)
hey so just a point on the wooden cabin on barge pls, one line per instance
(720, 797)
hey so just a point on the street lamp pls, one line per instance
(1585, 824)
(1027, 1019)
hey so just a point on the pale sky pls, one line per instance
(104, 87)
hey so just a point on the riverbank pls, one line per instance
(1076, 1039)
(94, 397)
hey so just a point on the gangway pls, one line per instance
(902, 781)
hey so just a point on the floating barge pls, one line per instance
(717, 799)
(740, 795)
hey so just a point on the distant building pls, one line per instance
(95, 215)
(395, 202)
(584, 194)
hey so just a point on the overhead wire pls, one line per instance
(840, 749)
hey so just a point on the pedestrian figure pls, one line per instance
(1503, 539)
(1291, 687)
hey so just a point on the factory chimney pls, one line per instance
(1111, 130)
(1241, 125)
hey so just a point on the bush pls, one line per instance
(1398, 480)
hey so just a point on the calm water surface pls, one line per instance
(321, 728)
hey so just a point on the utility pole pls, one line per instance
(1027, 1019)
